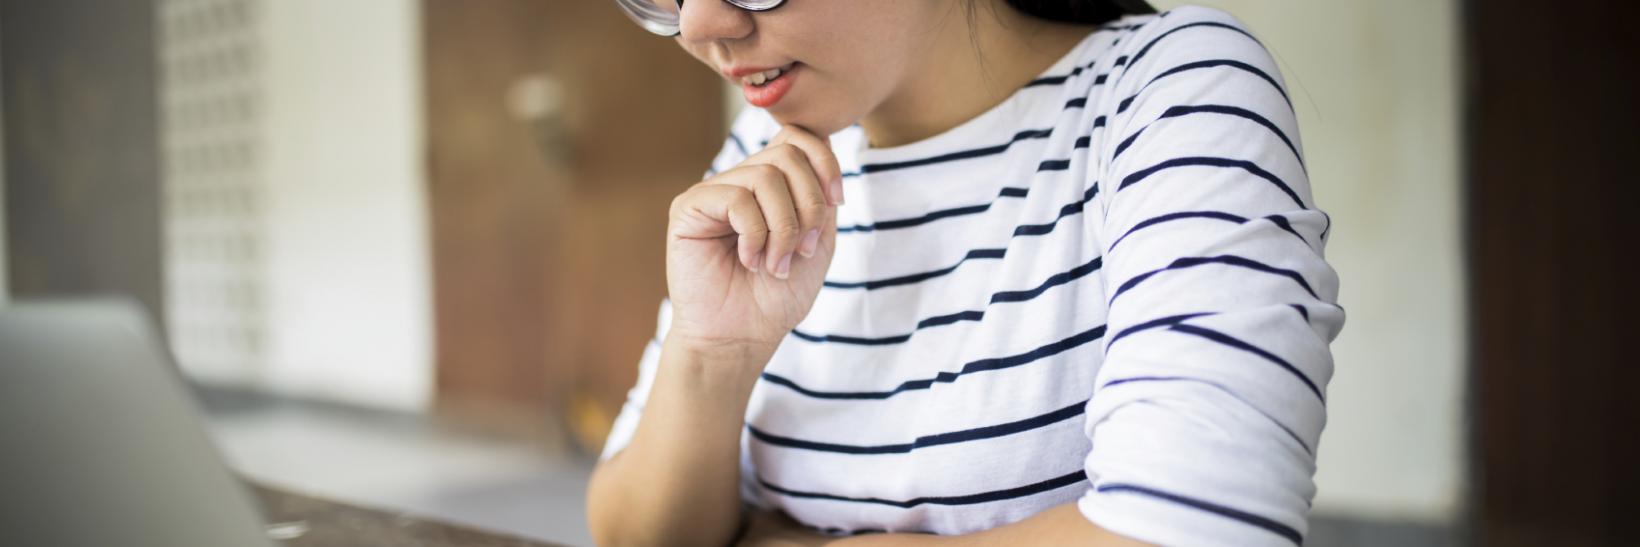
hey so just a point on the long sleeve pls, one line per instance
(626, 423)
(1209, 404)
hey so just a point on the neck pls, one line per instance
(972, 64)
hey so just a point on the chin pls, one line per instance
(822, 124)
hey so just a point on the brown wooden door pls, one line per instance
(1552, 227)
(548, 233)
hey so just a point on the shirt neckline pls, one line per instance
(977, 128)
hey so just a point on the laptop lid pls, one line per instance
(102, 443)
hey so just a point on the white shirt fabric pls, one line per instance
(1108, 290)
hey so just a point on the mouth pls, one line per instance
(765, 88)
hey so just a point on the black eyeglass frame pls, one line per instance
(662, 22)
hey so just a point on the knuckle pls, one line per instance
(812, 210)
(795, 154)
(765, 184)
(678, 202)
(740, 197)
(767, 173)
(783, 227)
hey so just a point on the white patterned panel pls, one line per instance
(211, 135)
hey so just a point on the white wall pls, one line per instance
(347, 283)
(1376, 88)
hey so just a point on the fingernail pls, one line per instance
(837, 189)
(784, 268)
(757, 262)
(810, 241)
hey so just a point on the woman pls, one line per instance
(1076, 293)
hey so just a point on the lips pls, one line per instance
(735, 73)
(765, 87)
(761, 77)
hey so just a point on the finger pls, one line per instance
(773, 192)
(818, 150)
(721, 210)
(807, 195)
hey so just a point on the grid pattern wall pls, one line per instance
(211, 127)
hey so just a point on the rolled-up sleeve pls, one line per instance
(1210, 402)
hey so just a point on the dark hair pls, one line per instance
(1082, 11)
(1088, 12)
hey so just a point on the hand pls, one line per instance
(747, 249)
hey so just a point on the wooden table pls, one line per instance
(297, 520)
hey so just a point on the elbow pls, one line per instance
(604, 515)
(618, 516)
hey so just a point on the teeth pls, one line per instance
(763, 77)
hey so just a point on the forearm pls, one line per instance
(1061, 525)
(676, 482)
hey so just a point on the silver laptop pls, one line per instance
(101, 443)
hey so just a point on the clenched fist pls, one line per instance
(747, 249)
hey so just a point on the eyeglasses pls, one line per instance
(663, 16)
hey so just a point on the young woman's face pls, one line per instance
(843, 57)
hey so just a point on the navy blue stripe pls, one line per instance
(858, 532)
(1223, 511)
(1056, 280)
(954, 437)
(1123, 106)
(1062, 78)
(1081, 142)
(1153, 324)
(1054, 165)
(976, 254)
(982, 365)
(744, 153)
(1007, 192)
(1020, 231)
(1228, 260)
(860, 340)
(1233, 342)
(969, 499)
(1250, 167)
(1146, 223)
(1067, 210)
(973, 153)
(1146, 50)
(1288, 226)
(1074, 103)
(1278, 220)
(969, 315)
(1302, 311)
(960, 154)
(1186, 110)
(1143, 379)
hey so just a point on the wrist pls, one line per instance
(737, 354)
(727, 368)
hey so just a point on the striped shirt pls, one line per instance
(1108, 289)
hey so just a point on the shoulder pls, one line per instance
(1191, 33)
(1193, 54)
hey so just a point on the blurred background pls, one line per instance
(404, 252)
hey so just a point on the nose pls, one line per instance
(705, 21)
